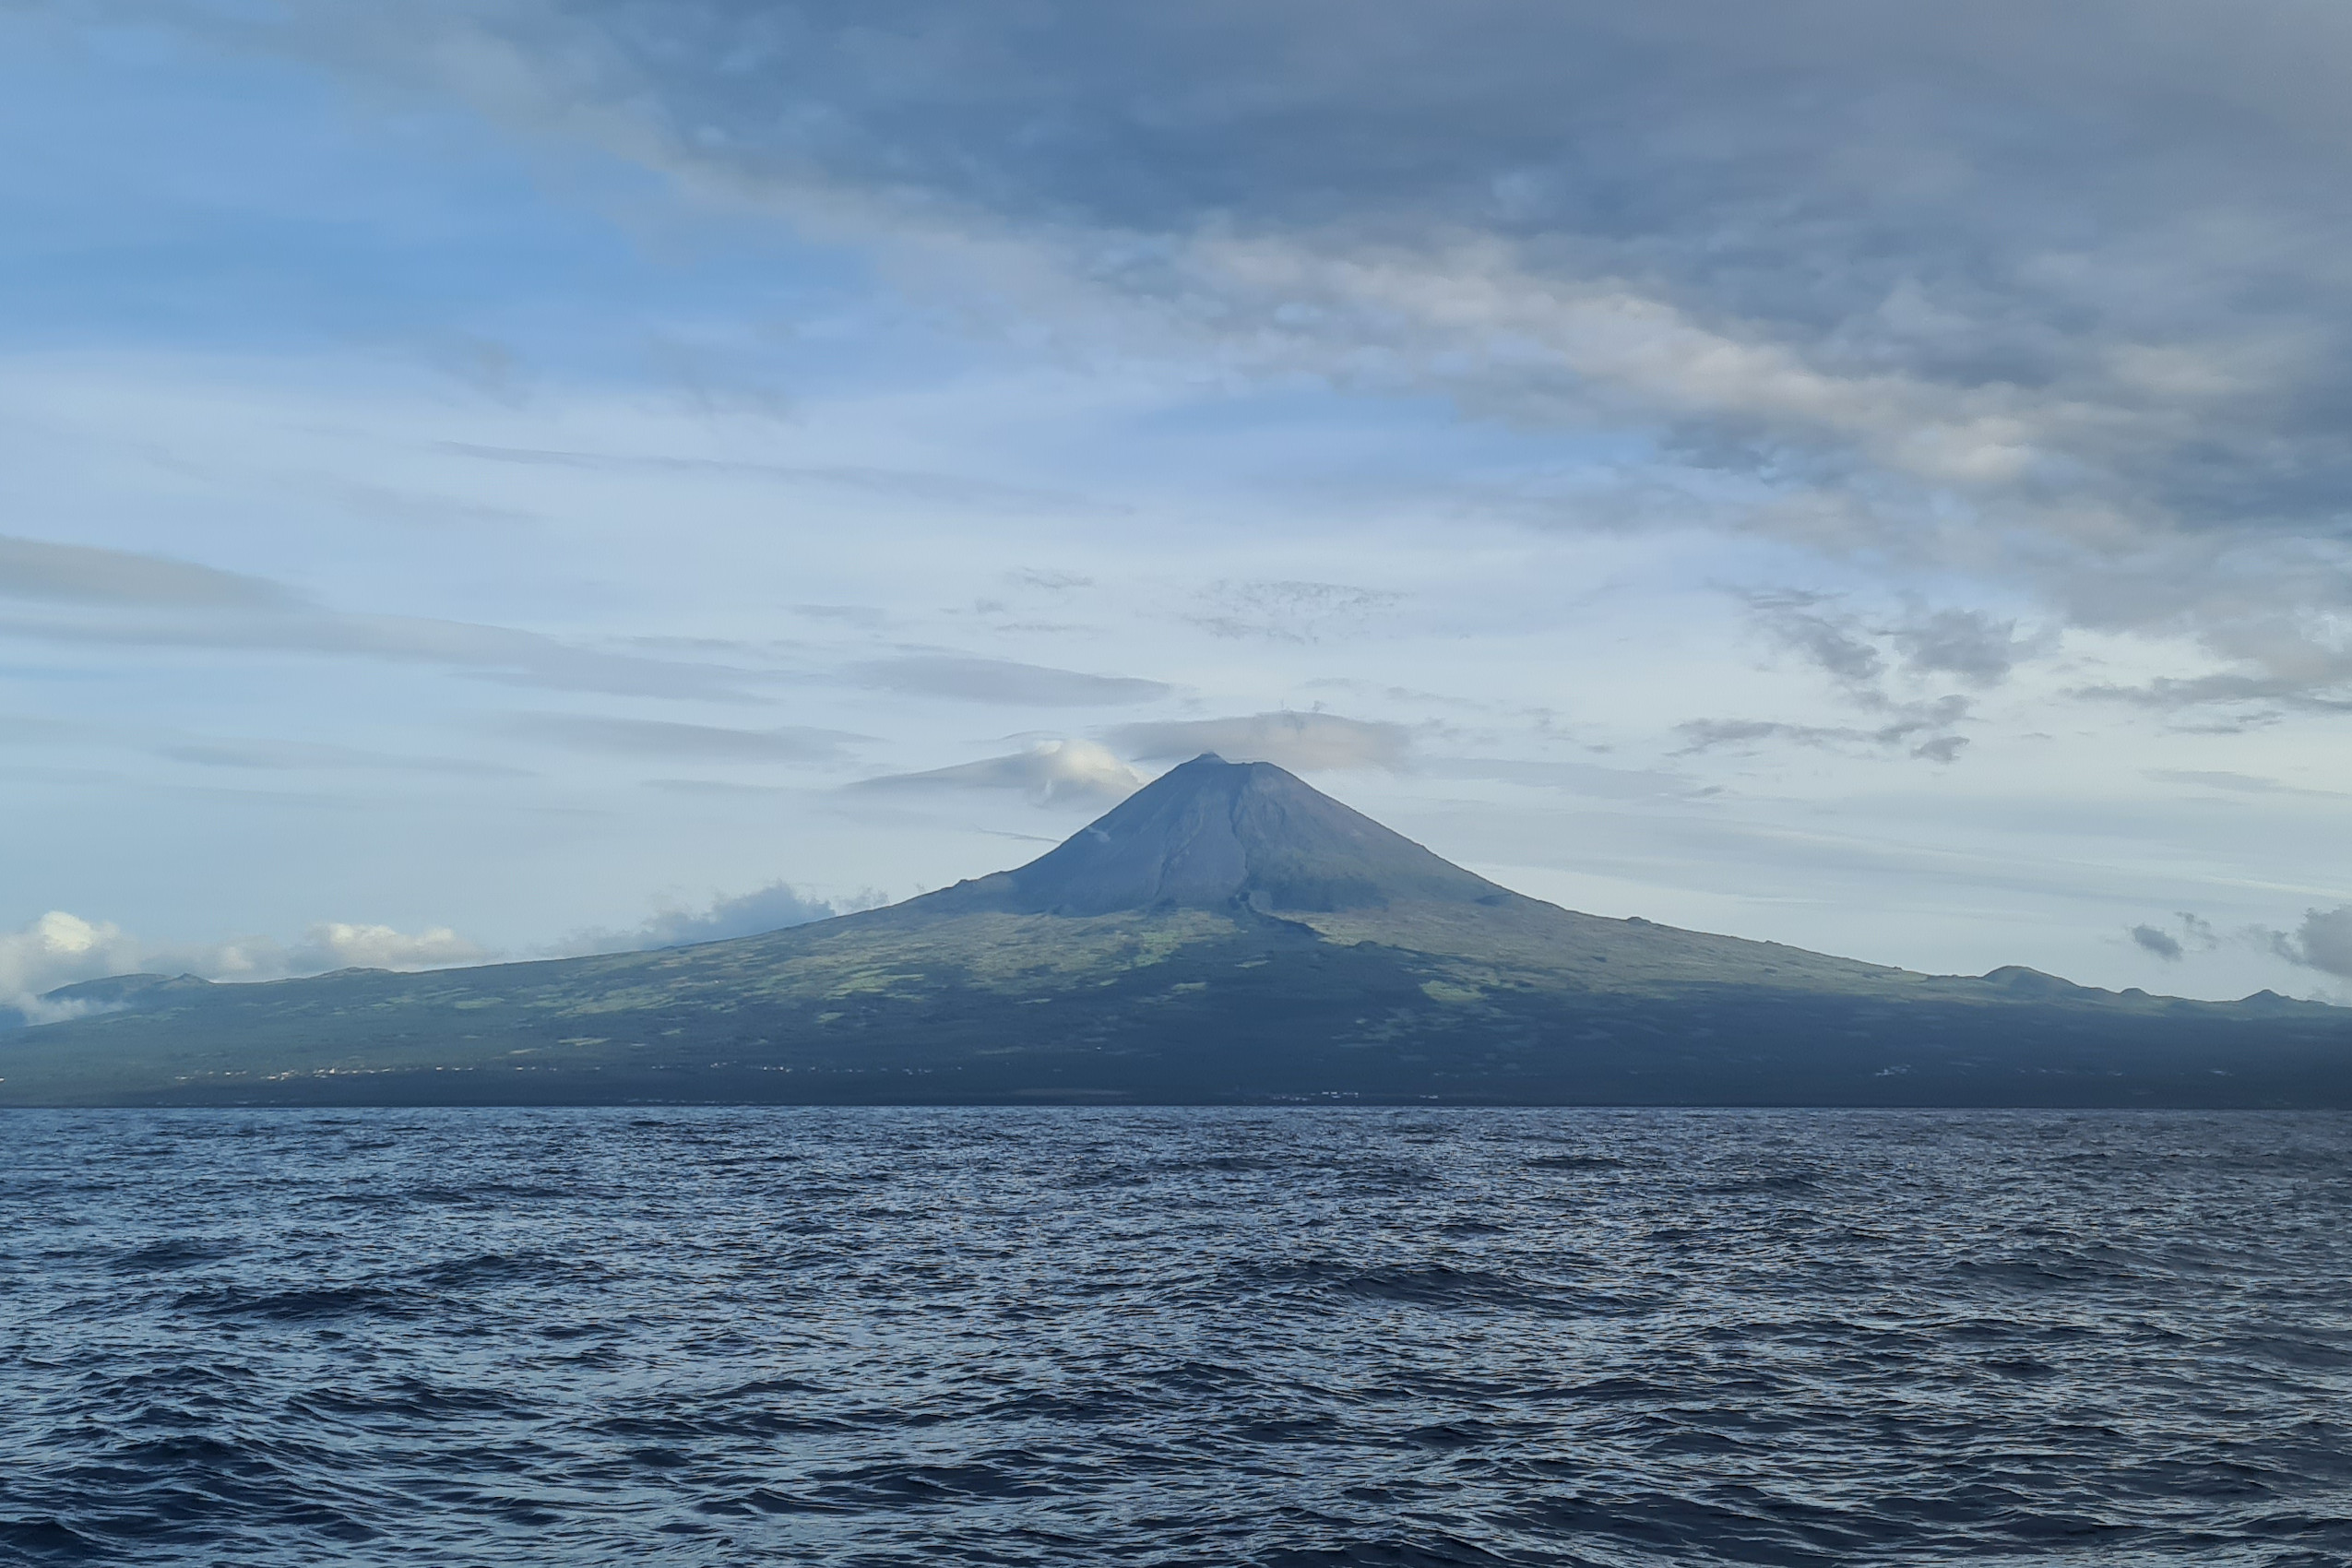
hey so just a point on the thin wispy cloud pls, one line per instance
(1002, 680)
(1050, 773)
(120, 598)
(43, 570)
(301, 756)
(948, 490)
(1920, 728)
(659, 738)
(1309, 741)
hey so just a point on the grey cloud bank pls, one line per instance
(2047, 298)
(2323, 941)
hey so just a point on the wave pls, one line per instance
(697, 1338)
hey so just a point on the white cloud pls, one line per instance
(337, 945)
(774, 907)
(1288, 739)
(61, 949)
(1050, 773)
(58, 950)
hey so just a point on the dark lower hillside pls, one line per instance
(1226, 934)
(1199, 1009)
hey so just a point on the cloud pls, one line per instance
(288, 757)
(1969, 643)
(116, 598)
(1913, 727)
(1049, 581)
(2045, 295)
(2323, 941)
(61, 949)
(1051, 773)
(1308, 740)
(2331, 693)
(2237, 783)
(1002, 681)
(32, 730)
(1798, 621)
(1865, 663)
(77, 574)
(1291, 610)
(668, 739)
(2189, 933)
(866, 615)
(58, 950)
(773, 907)
(950, 489)
(1571, 777)
(1711, 734)
(336, 944)
(1966, 643)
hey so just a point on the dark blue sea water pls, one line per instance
(715, 1337)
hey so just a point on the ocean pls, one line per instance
(1296, 1336)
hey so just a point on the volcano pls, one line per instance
(1229, 935)
(1215, 834)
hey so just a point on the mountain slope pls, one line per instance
(1213, 834)
(1228, 934)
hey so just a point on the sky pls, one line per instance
(504, 479)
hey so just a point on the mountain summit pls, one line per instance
(1227, 935)
(1217, 834)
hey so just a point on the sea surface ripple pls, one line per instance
(1279, 1337)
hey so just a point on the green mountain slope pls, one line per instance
(1229, 933)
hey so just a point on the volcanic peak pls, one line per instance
(1212, 834)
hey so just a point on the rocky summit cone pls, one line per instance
(1220, 835)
